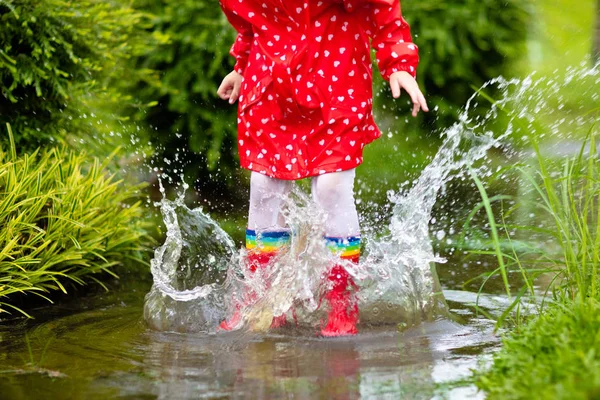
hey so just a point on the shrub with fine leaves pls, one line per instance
(463, 44)
(63, 220)
(59, 60)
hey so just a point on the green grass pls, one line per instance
(557, 356)
(63, 220)
(547, 237)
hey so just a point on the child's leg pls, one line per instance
(266, 199)
(266, 233)
(335, 194)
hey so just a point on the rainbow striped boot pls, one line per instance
(343, 307)
(262, 246)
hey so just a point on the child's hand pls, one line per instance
(230, 87)
(403, 79)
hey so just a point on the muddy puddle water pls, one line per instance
(102, 348)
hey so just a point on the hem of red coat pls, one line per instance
(321, 170)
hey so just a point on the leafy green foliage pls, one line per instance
(63, 220)
(552, 226)
(59, 60)
(189, 119)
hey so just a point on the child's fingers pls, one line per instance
(416, 108)
(395, 86)
(414, 96)
(235, 93)
(418, 99)
(224, 90)
(423, 102)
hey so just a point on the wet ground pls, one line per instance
(100, 348)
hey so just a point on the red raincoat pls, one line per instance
(306, 101)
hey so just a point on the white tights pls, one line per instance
(333, 192)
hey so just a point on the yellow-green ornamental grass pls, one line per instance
(63, 219)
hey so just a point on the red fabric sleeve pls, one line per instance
(241, 47)
(392, 40)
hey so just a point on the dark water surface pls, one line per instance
(100, 347)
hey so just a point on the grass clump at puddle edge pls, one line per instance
(556, 354)
(64, 220)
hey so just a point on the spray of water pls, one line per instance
(200, 277)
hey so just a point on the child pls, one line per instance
(304, 83)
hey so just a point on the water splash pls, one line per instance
(188, 270)
(199, 275)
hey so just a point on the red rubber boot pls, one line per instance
(343, 308)
(255, 260)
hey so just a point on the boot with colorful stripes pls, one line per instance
(261, 246)
(343, 308)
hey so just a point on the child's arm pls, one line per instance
(397, 57)
(241, 47)
(232, 83)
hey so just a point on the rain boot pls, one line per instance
(261, 250)
(342, 317)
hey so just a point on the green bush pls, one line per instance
(190, 127)
(63, 220)
(191, 65)
(59, 60)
